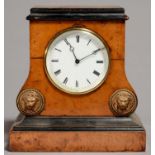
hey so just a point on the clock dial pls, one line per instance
(77, 61)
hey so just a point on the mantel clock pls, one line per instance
(77, 96)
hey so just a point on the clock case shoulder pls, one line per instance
(106, 13)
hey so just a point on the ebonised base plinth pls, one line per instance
(77, 134)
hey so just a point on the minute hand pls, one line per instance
(94, 52)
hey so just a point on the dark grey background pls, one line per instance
(137, 52)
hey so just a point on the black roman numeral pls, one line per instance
(57, 72)
(55, 60)
(65, 80)
(58, 50)
(77, 38)
(77, 83)
(96, 72)
(88, 42)
(88, 81)
(99, 61)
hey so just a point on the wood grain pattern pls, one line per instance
(77, 141)
(42, 32)
(58, 103)
(62, 104)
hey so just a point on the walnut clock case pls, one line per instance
(77, 96)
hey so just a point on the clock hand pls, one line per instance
(71, 49)
(94, 52)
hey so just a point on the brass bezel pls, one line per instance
(81, 29)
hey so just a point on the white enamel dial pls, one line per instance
(77, 61)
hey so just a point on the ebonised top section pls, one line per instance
(106, 13)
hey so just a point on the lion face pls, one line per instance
(30, 101)
(123, 102)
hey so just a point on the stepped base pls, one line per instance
(77, 134)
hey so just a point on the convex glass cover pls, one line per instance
(77, 61)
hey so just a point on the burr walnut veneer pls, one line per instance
(59, 103)
(77, 122)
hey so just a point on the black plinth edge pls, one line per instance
(39, 123)
(106, 13)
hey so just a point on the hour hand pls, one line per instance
(66, 41)
(71, 48)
